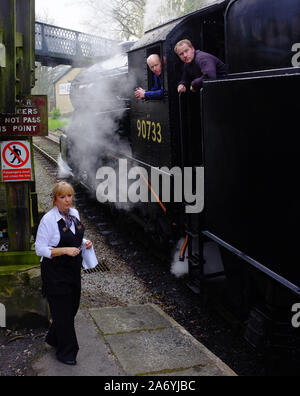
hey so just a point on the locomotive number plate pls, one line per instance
(149, 130)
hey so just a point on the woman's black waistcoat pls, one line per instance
(62, 275)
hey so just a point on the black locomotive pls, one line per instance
(242, 130)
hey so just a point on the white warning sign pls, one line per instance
(16, 161)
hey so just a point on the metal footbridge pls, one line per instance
(59, 46)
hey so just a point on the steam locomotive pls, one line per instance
(242, 130)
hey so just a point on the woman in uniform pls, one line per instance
(58, 243)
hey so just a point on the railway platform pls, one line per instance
(133, 341)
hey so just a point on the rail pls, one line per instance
(46, 155)
(286, 283)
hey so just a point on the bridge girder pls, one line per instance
(58, 46)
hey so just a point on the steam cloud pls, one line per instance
(99, 95)
(211, 255)
(179, 268)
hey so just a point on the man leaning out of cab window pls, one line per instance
(198, 66)
(155, 65)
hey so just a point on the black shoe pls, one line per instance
(68, 362)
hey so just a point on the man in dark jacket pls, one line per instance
(155, 65)
(198, 66)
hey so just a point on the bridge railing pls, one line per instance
(56, 45)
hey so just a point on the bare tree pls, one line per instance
(127, 19)
(158, 12)
(193, 5)
(44, 17)
(129, 14)
(121, 19)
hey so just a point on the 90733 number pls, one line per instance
(149, 130)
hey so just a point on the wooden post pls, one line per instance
(26, 72)
(26, 27)
(18, 215)
(8, 73)
(16, 79)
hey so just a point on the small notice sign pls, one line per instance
(31, 118)
(16, 161)
(64, 89)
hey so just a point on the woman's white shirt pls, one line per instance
(48, 235)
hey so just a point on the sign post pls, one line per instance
(16, 161)
(17, 76)
(17, 165)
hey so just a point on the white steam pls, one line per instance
(100, 96)
(179, 268)
(211, 255)
(64, 171)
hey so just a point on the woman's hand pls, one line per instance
(88, 245)
(72, 252)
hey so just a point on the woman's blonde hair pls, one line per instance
(61, 188)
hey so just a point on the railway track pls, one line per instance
(47, 152)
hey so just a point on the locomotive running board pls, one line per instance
(295, 289)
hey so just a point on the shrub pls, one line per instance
(55, 113)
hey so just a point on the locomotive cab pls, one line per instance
(166, 132)
(205, 29)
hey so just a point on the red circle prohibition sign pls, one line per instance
(8, 147)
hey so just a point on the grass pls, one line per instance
(57, 124)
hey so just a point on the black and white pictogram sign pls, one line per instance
(16, 161)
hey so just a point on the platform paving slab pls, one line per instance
(94, 357)
(128, 319)
(146, 341)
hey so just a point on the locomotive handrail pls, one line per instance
(113, 111)
(181, 131)
(278, 278)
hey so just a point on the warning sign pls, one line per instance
(16, 161)
(31, 118)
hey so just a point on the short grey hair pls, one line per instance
(180, 43)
